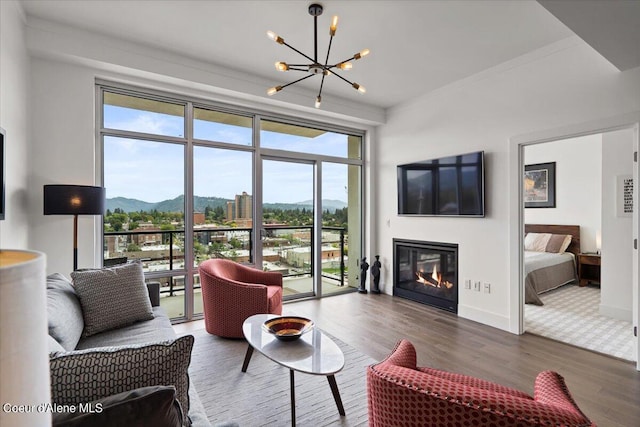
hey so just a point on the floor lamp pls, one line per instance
(74, 200)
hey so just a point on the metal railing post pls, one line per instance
(342, 257)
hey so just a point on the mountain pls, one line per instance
(129, 205)
(200, 203)
(173, 205)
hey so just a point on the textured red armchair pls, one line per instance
(401, 394)
(231, 292)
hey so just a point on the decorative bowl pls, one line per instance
(288, 328)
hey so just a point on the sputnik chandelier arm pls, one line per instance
(315, 67)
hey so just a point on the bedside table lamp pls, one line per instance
(74, 200)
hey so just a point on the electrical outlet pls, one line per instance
(476, 286)
(467, 284)
(487, 288)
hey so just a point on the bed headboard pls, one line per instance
(573, 230)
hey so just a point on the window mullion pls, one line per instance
(189, 255)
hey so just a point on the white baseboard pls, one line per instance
(484, 317)
(616, 313)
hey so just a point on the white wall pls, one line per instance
(578, 185)
(557, 86)
(15, 120)
(617, 231)
(63, 132)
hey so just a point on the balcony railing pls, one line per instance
(288, 249)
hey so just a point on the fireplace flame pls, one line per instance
(435, 280)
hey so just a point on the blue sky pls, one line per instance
(152, 171)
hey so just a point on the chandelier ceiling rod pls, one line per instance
(315, 67)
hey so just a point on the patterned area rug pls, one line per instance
(570, 314)
(261, 396)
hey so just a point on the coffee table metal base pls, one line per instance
(292, 384)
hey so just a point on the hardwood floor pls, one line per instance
(605, 388)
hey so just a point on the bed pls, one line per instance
(547, 270)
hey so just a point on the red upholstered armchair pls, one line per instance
(401, 394)
(231, 292)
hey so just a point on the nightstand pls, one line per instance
(588, 269)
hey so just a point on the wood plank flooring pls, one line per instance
(606, 389)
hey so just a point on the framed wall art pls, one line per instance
(540, 185)
(624, 196)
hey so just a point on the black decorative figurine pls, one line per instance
(364, 266)
(375, 272)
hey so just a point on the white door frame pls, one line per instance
(516, 208)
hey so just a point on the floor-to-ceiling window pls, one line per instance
(272, 192)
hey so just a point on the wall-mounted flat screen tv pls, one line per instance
(449, 186)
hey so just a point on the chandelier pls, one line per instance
(314, 67)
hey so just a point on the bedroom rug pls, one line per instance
(570, 314)
(261, 396)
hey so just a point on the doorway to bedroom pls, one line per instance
(579, 291)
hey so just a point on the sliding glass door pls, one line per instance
(287, 233)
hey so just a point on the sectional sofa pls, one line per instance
(109, 336)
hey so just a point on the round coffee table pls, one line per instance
(314, 353)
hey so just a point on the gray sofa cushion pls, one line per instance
(112, 297)
(63, 311)
(87, 375)
(154, 330)
(53, 345)
(143, 407)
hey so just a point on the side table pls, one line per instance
(588, 268)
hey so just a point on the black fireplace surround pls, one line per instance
(426, 272)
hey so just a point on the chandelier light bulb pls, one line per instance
(359, 88)
(273, 90)
(361, 54)
(273, 36)
(345, 66)
(318, 101)
(282, 66)
(334, 26)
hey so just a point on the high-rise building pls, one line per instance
(244, 206)
(240, 208)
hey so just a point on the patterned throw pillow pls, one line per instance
(86, 375)
(112, 297)
(143, 407)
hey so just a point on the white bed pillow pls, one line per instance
(536, 242)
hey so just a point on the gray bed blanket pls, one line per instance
(546, 271)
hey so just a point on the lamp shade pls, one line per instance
(24, 362)
(73, 200)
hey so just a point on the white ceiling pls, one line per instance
(416, 46)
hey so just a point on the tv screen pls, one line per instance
(449, 186)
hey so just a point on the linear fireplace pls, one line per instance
(426, 272)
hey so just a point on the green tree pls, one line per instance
(116, 225)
